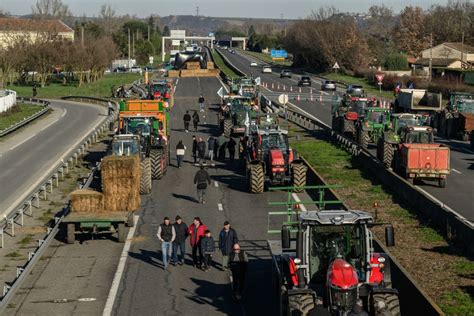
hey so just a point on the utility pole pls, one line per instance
(133, 45)
(197, 11)
(128, 48)
(462, 48)
(82, 35)
(148, 32)
(431, 56)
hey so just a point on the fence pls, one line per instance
(7, 100)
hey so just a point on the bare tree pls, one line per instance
(410, 33)
(324, 13)
(44, 9)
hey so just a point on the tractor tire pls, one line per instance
(157, 158)
(256, 179)
(299, 176)
(228, 128)
(122, 233)
(363, 138)
(348, 128)
(300, 304)
(392, 304)
(145, 176)
(334, 124)
(70, 233)
(387, 155)
(380, 143)
(442, 182)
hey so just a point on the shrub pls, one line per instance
(396, 62)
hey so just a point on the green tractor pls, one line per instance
(236, 112)
(372, 125)
(346, 112)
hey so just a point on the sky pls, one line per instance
(290, 9)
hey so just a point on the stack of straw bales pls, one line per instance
(87, 201)
(193, 65)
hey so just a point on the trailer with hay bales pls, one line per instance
(109, 211)
(149, 119)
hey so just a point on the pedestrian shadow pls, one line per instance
(185, 197)
(234, 182)
(147, 256)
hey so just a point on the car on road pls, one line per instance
(232, 51)
(120, 69)
(285, 73)
(267, 69)
(253, 64)
(328, 85)
(304, 81)
(135, 69)
(149, 69)
(355, 90)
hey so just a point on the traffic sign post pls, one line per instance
(336, 67)
(283, 99)
(379, 81)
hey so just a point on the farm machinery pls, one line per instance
(235, 114)
(346, 112)
(372, 125)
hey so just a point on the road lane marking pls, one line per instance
(297, 199)
(64, 113)
(459, 172)
(220, 207)
(216, 184)
(22, 142)
(45, 127)
(109, 305)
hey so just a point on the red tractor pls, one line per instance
(332, 266)
(271, 160)
(346, 112)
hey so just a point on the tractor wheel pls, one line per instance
(228, 128)
(300, 304)
(299, 176)
(256, 179)
(334, 124)
(70, 233)
(145, 177)
(121, 233)
(157, 158)
(348, 128)
(386, 304)
(387, 157)
(363, 138)
(442, 182)
(380, 143)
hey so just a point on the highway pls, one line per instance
(26, 156)
(84, 272)
(460, 183)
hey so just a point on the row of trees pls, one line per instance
(382, 39)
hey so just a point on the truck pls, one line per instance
(148, 119)
(457, 119)
(418, 101)
(414, 155)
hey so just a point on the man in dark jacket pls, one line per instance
(211, 143)
(181, 230)
(201, 148)
(201, 103)
(201, 180)
(227, 239)
(166, 234)
(231, 147)
(222, 147)
(207, 248)
(195, 148)
(196, 121)
(186, 120)
(238, 263)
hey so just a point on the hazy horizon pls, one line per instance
(287, 9)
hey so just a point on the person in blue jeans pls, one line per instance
(181, 230)
(166, 234)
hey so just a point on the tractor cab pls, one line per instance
(126, 145)
(461, 102)
(417, 135)
(160, 90)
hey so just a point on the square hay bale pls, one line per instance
(121, 183)
(188, 73)
(87, 201)
(210, 65)
(193, 65)
(173, 73)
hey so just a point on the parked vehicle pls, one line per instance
(253, 64)
(267, 69)
(328, 85)
(355, 90)
(457, 119)
(136, 69)
(285, 73)
(304, 81)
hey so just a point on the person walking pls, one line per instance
(186, 120)
(166, 234)
(196, 233)
(201, 149)
(223, 145)
(207, 248)
(201, 103)
(181, 230)
(216, 148)
(35, 90)
(211, 143)
(201, 180)
(196, 121)
(227, 239)
(238, 263)
(195, 149)
(231, 147)
(180, 151)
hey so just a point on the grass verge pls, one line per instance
(442, 270)
(17, 113)
(223, 67)
(266, 58)
(369, 89)
(100, 88)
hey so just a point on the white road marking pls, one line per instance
(216, 184)
(297, 199)
(176, 85)
(45, 127)
(220, 207)
(22, 142)
(109, 305)
(457, 171)
(64, 113)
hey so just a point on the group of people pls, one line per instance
(173, 239)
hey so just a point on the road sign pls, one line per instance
(336, 66)
(151, 59)
(278, 53)
(283, 99)
(380, 77)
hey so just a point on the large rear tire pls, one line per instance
(363, 138)
(348, 128)
(145, 176)
(228, 128)
(256, 179)
(157, 158)
(299, 176)
(387, 153)
(442, 182)
(300, 304)
(389, 301)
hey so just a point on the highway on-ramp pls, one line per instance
(460, 183)
(28, 155)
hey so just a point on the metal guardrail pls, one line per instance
(33, 256)
(27, 120)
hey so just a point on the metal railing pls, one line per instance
(28, 119)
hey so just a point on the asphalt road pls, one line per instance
(460, 183)
(29, 154)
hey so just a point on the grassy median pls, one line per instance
(100, 88)
(222, 66)
(442, 270)
(17, 113)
